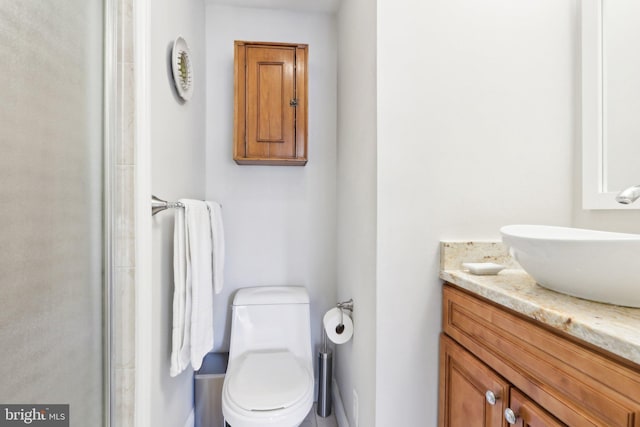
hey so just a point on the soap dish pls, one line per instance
(482, 268)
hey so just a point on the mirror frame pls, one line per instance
(592, 162)
(593, 154)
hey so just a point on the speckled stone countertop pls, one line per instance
(613, 328)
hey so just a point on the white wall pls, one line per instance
(280, 221)
(355, 361)
(177, 138)
(476, 129)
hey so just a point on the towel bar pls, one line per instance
(158, 205)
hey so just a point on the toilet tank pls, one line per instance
(271, 318)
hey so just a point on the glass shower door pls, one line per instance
(51, 207)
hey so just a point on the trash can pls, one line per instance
(208, 390)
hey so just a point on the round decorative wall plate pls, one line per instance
(182, 68)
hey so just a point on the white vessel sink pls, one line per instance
(595, 265)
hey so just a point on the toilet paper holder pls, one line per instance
(346, 305)
(342, 305)
(325, 367)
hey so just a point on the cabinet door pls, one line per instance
(528, 414)
(464, 383)
(270, 90)
(270, 114)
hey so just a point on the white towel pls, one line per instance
(180, 334)
(200, 248)
(193, 294)
(217, 237)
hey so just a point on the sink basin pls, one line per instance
(595, 265)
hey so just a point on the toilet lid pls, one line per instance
(264, 381)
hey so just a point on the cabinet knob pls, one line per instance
(491, 397)
(294, 102)
(510, 416)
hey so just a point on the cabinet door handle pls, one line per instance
(510, 416)
(491, 397)
(294, 102)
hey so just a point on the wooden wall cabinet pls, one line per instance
(270, 97)
(546, 378)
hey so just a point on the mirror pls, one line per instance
(610, 101)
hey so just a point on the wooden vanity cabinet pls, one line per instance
(546, 377)
(270, 103)
(473, 395)
(467, 381)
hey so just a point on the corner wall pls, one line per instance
(355, 369)
(279, 220)
(476, 129)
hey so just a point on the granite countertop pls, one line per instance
(612, 328)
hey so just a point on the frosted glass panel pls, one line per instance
(51, 205)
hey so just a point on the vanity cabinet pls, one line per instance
(544, 376)
(270, 103)
(475, 394)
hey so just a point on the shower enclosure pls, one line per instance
(54, 210)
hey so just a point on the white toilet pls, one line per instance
(269, 380)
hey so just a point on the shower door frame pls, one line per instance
(120, 262)
(109, 104)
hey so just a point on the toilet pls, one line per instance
(269, 379)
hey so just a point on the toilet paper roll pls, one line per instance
(331, 322)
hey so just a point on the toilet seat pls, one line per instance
(268, 380)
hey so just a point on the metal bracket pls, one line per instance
(346, 305)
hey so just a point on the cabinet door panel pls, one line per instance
(529, 414)
(464, 380)
(270, 88)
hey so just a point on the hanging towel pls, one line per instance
(217, 237)
(200, 248)
(193, 293)
(180, 334)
